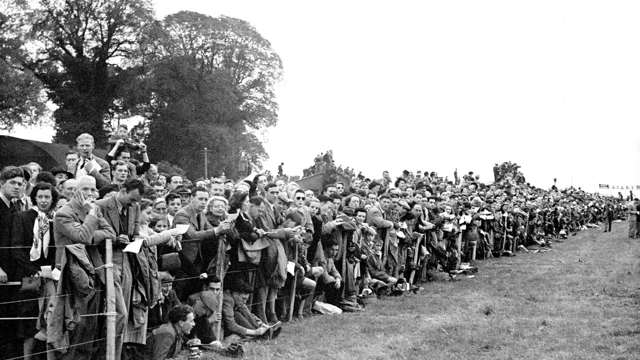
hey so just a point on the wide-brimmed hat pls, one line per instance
(60, 170)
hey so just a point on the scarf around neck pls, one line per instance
(41, 235)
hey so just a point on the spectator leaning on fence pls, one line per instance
(11, 183)
(33, 251)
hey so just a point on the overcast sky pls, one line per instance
(551, 85)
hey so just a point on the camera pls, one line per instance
(132, 139)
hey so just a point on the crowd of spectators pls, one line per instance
(212, 263)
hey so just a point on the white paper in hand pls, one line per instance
(55, 274)
(179, 229)
(291, 266)
(96, 165)
(134, 247)
(232, 217)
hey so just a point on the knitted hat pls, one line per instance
(238, 283)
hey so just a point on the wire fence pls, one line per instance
(58, 349)
(129, 333)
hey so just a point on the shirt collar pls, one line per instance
(118, 204)
(5, 199)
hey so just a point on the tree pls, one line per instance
(21, 93)
(165, 167)
(85, 54)
(210, 84)
(509, 170)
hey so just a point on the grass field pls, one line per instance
(579, 301)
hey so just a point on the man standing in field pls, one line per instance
(633, 218)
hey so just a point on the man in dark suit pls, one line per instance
(199, 231)
(11, 183)
(272, 216)
(122, 212)
(377, 217)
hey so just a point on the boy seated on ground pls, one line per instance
(159, 313)
(206, 307)
(379, 277)
(330, 279)
(239, 323)
(332, 283)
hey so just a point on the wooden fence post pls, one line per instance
(111, 302)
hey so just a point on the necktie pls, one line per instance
(124, 226)
(16, 205)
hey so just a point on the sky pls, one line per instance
(438, 85)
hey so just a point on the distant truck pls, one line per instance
(317, 182)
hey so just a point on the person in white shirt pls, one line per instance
(89, 164)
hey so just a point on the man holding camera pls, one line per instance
(121, 151)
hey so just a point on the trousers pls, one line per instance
(266, 304)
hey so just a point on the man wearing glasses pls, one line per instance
(299, 199)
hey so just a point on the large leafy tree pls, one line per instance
(85, 52)
(21, 94)
(210, 84)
